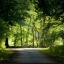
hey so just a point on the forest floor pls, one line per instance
(29, 55)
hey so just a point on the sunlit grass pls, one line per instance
(44, 50)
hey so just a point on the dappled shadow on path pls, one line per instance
(29, 56)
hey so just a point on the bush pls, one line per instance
(59, 51)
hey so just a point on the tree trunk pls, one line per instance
(33, 36)
(6, 42)
(43, 33)
(21, 35)
(63, 40)
(33, 39)
(15, 42)
(0, 43)
(38, 39)
(26, 39)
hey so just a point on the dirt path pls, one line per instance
(30, 55)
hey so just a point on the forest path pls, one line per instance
(31, 55)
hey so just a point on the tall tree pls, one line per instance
(12, 11)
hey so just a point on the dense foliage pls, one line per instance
(32, 23)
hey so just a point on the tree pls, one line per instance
(61, 34)
(14, 11)
(3, 30)
(53, 8)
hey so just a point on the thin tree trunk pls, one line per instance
(38, 39)
(0, 43)
(21, 35)
(26, 39)
(6, 42)
(33, 36)
(63, 40)
(15, 42)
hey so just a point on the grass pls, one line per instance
(57, 51)
(5, 54)
(44, 50)
(57, 54)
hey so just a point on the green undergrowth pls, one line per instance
(57, 51)
(5, 54)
